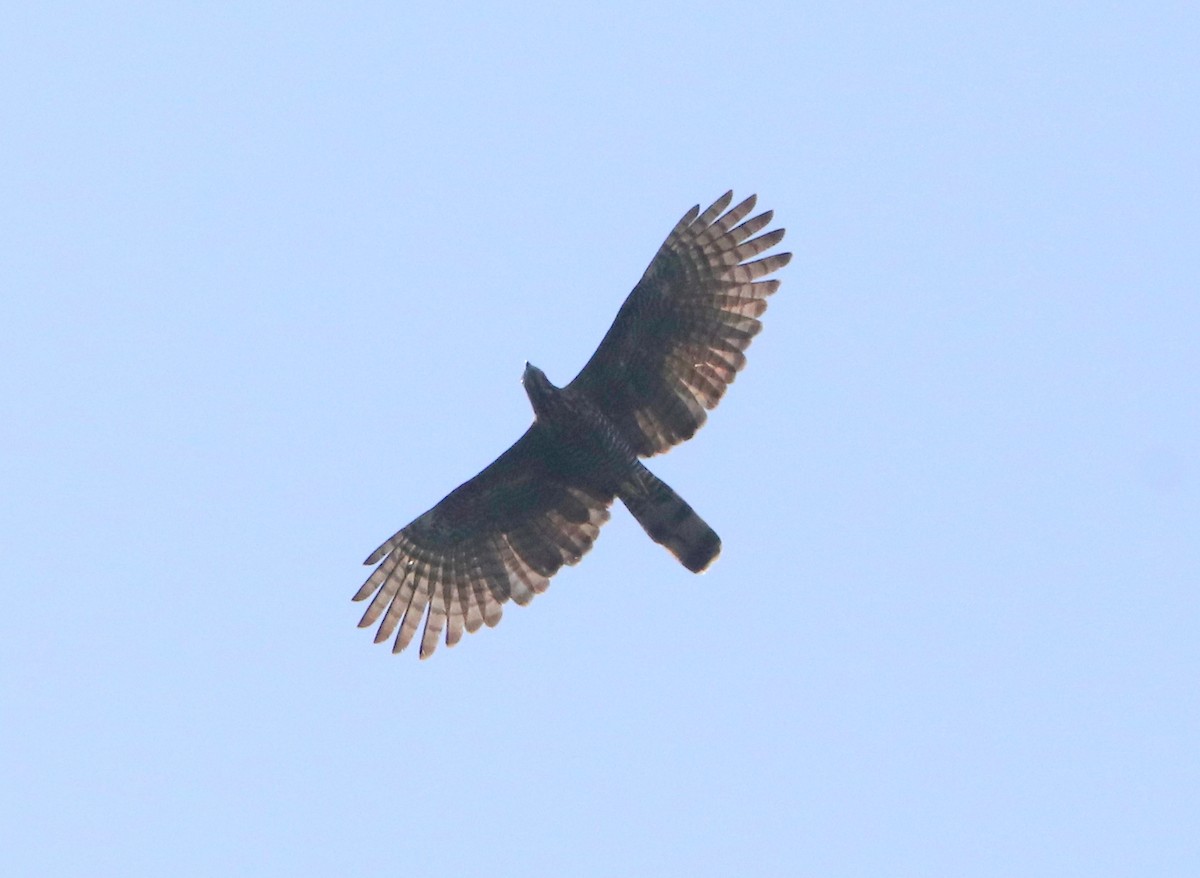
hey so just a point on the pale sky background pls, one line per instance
(269, 274)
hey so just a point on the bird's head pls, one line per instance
(538, 388)
(532, 373)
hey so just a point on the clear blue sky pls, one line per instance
(269, 274)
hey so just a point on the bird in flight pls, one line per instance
(676, 345)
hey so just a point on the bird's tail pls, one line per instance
(669, 520)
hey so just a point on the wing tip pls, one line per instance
(747, 204)
(377, 556)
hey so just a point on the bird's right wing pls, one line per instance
(501, 535)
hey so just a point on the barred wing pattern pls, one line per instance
(501, 535)
(678, 341)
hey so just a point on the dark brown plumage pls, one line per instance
(676, 345)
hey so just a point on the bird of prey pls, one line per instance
(675, 346)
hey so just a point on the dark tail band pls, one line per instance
(670, 521)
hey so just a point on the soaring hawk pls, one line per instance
(675, 347)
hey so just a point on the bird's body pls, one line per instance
(584, 439)
(585, 442)
(675, 346)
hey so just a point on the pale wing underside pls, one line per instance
(499, 536)
(678, 341)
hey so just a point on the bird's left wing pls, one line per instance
(678, 341)
(501, 535)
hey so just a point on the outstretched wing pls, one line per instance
(501, 535)
(678, 340)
